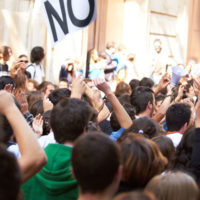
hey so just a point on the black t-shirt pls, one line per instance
(4, 67)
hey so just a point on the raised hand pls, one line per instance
(102, 85)
(163, 83)
(78, 87)
(47, 105)
(38, 125)
(8, 88)
(21, 97)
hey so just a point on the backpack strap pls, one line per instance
(31, 65)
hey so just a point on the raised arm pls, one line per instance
(121, 114)
(32, 157)
(163, 108)
(98, 104)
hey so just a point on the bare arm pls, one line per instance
(98, 104)
(78, 88)
(163, 83)
(163, 108)
(32, 157)
(121, 114)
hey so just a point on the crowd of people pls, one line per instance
(79, 139)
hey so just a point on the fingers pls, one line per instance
(8, 88)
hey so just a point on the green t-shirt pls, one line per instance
(54, 181)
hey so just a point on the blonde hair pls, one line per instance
(173, 186)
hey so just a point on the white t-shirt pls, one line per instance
(43, 141)
(176, 138)
(36, 71)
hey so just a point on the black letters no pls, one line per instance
(51, 12)
(78, 22)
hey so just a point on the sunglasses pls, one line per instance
(24, 61)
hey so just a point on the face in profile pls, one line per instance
(8, 55)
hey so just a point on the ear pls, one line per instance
(118, 174)
(149, 106)
(184, 127)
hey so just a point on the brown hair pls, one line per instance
(167, 148)
(142, 160)
(122, 88)
(173, 186)
(20, 83)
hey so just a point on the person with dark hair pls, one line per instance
(96, 166)
(29, 162)
(177, 121)
(69, 119)
(143, 100)
(117, 130)
(33, 97)
(167, 149)
(37, 108)
(147, 82)
(5, 80)
(6, 53)
(35, 68)
(141, 160)
(144, 126)
(184, 150)
(46, 124)
(134, 83)
(10, 176)
(56, 95)
(46, 87)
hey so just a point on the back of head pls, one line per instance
(95, 162)
(144, 126)
(4, 80)
(135, 196)
(167, 149)
(184, 149)
(113, 119)
(177, 115)
(122, 88)
(33, 97)
(141, 159)
(147, 82)
(134, 83)
(37, 108)
(56, 95)
(69, 118)
(10, 177)
(173, 186)
(140, 98)
(37, 54)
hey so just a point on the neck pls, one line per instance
(69, 144)
(98, 196)
(144, 114)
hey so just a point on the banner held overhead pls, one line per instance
(67, 16)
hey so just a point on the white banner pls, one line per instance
(67, 16)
